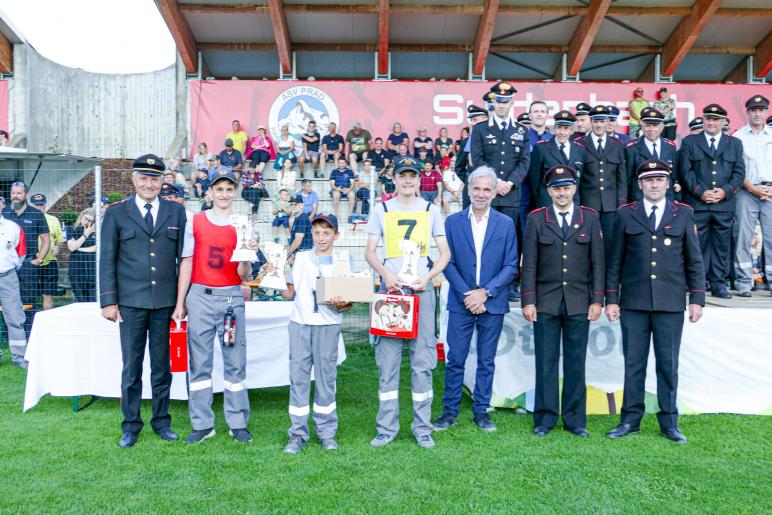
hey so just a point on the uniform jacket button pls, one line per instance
(152, 282)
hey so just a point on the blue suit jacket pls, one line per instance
(499, 260)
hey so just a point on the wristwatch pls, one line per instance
(488, 293)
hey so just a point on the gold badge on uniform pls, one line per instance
(668, 241)
(652, 165)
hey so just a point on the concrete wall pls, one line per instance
(67, 110)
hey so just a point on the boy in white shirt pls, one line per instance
(314, 332)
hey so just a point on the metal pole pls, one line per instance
(98, 219)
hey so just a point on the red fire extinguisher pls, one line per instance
(178, 346)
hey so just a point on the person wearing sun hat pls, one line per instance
(654, 261)
(712, 170)
(141, 244)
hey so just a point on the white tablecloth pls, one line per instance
(73, 351)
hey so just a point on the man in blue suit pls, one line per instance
(483, 247)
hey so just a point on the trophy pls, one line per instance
(411, 251)
(276, 255)
(243, 231)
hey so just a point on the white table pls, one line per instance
(73, 351)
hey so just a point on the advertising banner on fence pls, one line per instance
(377, 105)
(725, 364)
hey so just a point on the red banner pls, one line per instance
(377, 105)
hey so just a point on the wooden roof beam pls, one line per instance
(482, 39)
(383, 37)
(281, 35)
(6, 55)
(183, 37)
(762, 59)
(584, 35)
(685, 35)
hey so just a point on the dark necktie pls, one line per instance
(503, 126)
(564, 224)
(149, 217)
(563, 149)
(713, 145)
(654, 151)
(600, 146)
(653, 219)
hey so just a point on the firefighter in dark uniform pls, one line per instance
(504, 145)
(651, 145)
(563, 282)
(654, 261)
(603, 182)
(695, 125)
(613, 114)
(583, 125)
(474, 115)
(142, 241)
(712, 169)
(560, 150)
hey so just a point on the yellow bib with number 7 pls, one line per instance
(404, 225)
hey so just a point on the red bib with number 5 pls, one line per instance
(212, 265)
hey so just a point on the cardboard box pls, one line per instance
(351, 289)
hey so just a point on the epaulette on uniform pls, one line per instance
(537, 210)
(543, 141)
(587, 209)
(628, 204)
(682, 204)
(669, 141)
(632, 143)
(576, 142)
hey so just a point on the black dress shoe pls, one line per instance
(541, 430)
(128, 440)
(578, 431)
(167, 434)
(623, 430)
(484, 422)
(674, 435)
(721, 292)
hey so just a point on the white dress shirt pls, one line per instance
(650, 146)
(478, 235)
(602, 139)
(153, 210)
(566, 148)
(757, 153)
(559, 218)
(660, 210)
(498, 121)
(708, 136)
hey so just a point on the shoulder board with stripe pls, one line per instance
(577, 143)
(613, 137)
(632, 143)
(628, 204)
(669, 141)
(682, 204)
(587, 209)
(537, 210)
(543, 141)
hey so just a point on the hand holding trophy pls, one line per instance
(276, 255)
(243, 227)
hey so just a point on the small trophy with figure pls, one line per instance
(276, 255)
(411, 252)
(243, 228)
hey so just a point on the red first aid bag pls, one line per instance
(394, 315)
(178, 346)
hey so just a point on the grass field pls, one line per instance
(53, 460)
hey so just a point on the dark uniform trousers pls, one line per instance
(603, 184)
(139, 273)
(29, 279)
(649, 273)
(702, 170)
(562, 276)
(509, 153)
(463, 171)
(637, 152)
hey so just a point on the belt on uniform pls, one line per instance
(3, 274)
(220, 292)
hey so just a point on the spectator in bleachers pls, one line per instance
(388, 189)
(231, 157)
(402, 150)
(378, 155)
(442, 159)
(260, 149)
(311, 142)
(202, 158)
(300, 235)
(459, 144)
(452, 187)
(253, 190)
(341, 184)
(358, 142)
(281, 214)
(423, 140)
(5, 139)
(82, 247)
(444, 141)
(332, 146)
(634, 107)
(171, 177)
(395, 139)
(285, 148)
(364, 179)
(49, 267)
(35, 228)
(423, 156)
(310, 198)
(201, 181)
(431, 184)
(287, 177)
(667, 106)
(238, 136)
